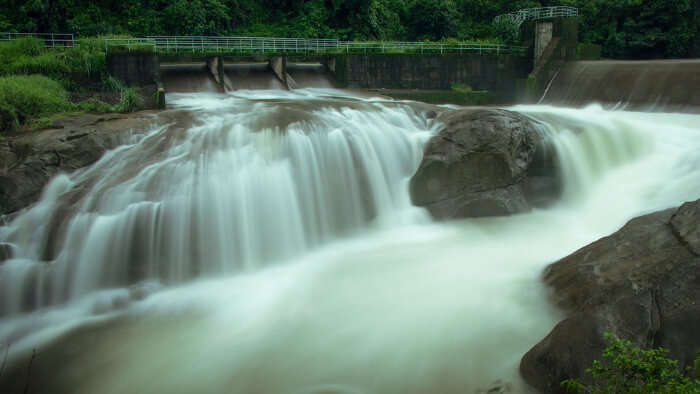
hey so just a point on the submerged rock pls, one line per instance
(485, 162)
(641, 283)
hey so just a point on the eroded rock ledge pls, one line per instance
(28, 161)
(485, 162)
(641, 283)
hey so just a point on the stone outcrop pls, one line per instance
(28, 161)
(485, 162)
(641, 283)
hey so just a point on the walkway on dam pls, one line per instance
(274, 45)
(271, 45)
(520, 16)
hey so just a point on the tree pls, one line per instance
(432, 19)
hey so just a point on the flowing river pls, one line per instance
(269, 246)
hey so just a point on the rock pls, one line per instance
(5, 252)
(641, 283)
(485, 162)
(29, 160)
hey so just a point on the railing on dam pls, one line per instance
(271, 45)
(539, 13)
(51, 40)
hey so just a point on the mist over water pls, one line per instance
(271, 247)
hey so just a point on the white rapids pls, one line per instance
(271, 247)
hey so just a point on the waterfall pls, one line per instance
(270, 246)
(229, 194)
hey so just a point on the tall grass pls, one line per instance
(73, 67)
(25, 97)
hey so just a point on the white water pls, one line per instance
(318, 275)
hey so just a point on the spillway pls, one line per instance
(270, 246)
(253, 76)
(654, 85)
(188, 78)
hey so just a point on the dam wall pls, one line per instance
(498, 74)
(667, 85)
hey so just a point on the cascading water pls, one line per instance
(316, 274)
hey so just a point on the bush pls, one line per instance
(73, 67)
(94, 105)
(130, 100)
(628, 369)
(24, 97)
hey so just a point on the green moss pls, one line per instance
(159, 98)
(461, 87)
(588, 51)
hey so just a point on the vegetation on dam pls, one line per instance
(37, 83)
(625, 28)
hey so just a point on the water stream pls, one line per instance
(271, 247)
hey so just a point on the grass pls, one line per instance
(25, 97)
(36, 101)
(73, 67)
(35, 82)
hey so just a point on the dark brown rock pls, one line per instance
(484, 163)
(641, 283)
(29, 160)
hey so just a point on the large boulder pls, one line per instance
(641, 283)
(484, 162)
(28, 161)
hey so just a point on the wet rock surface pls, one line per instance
(29, 160)
(485, 162)
(641, 283)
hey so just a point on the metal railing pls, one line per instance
(51, 40)
(271, 45)
(539, 13)
(245, 45)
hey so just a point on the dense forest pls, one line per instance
(625, 28)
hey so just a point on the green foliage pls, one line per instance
(628, 369)
(25, 97)
(432, 19)
(130, 100)
(461, 87)
(506, 29)
(73, 67)
(94, 105)
(624, 28)
(111, 84)
(638, 28)
(588, 51)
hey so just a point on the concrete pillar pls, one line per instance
(134, 68)
(330, 63)
(543, 36)
(215, 65)
(278, 65)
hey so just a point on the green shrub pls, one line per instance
(73, 67)
(628, 369)
(25, 97)
(94, 105)
(11, 50)
(461, 87)
(111, 84)
(130, 100)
